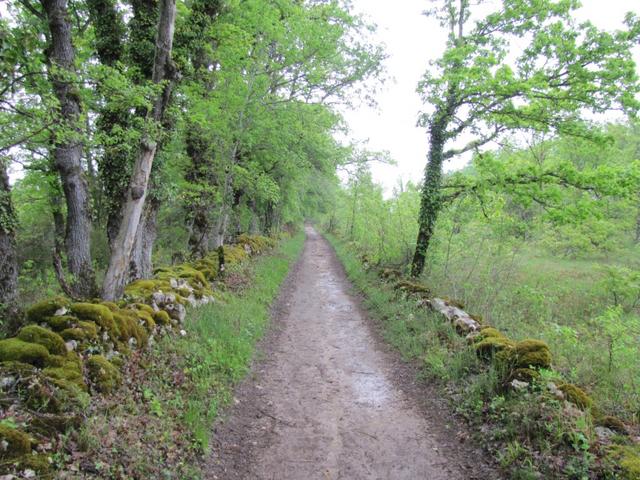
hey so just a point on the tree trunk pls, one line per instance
(430, 200)
(9, 310)
(67, 149)
(116, 275)
(141, 265)
(200, 174)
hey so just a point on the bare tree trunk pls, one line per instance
(9, 310)
(116, 275)
(67, 149)
(141, 264)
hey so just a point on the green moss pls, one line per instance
(490, 346)
(14, 349)
(143, 289)
(42, 336)
(103, 374)
(147, 319)
(145, 308)
(84, 331)
(576, 395)
(61, 322)
(16, 368)
(528, 375)
(234, 255)
(99, 314)
(18, 443)
(257, 243)
(70, 371)
(626, 459)
(39, 312)
(111, 306)
(489, 332)
(532, 353)
(38, 462)
(161, 317)
(129, 326)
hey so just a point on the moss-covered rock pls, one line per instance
(532, 353)
(39, 311)
(104, 376)
(528, 375)
(129, 327)
(145, 308)
(144, 289)
(161, 317)
(99, 314)
(612, 423)
(257, 243)
(234, 254)
(37, 462)
(16, 443)
(577, 396)
(145, 317)
(111, 306)
(61, 322)
(14, 349)
(490, 346)
(626, 459)
(69, 369)
(42, 336)
(84, 331)
(487, 332)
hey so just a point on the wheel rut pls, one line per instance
(324, 400)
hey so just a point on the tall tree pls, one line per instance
(67, 147)
(163, 76)
(8, 255)
(475, 91)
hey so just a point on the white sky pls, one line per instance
(412, 40)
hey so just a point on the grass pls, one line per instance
(160, 425)
(568, 303)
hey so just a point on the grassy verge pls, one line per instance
(531, 432)
(159, 425)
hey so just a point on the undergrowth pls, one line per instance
(160, 424)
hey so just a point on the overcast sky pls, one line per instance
(412, 40)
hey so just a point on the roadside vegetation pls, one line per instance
(160, 424)
(543, 427)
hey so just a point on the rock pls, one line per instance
(604, 434)
(555, 391)
(518, 385)
(71, 345)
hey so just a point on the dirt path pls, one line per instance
(326, 402)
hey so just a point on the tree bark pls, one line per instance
(116, 275)
(9, 310)
(141, 264)
(67, 149)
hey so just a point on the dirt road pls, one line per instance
(326, 401)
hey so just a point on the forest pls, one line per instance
(143, 141)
